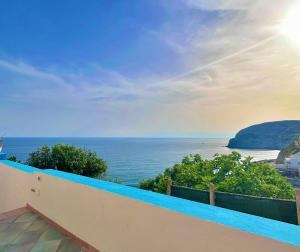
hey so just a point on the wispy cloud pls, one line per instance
(238, 64)
(218, 4)
(236, 70)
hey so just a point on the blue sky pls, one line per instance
(66, 33)
(144, 67)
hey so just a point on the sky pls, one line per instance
(147, 67)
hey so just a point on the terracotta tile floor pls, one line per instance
(25, 231)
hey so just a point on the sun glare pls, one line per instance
(290, 26)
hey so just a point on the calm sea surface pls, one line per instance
(135, 159)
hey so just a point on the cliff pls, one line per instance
(269, 135)
(291, 149)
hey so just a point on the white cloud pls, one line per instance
(236, 71)
(218, 4)
(246, 61)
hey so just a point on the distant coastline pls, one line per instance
(269, 135)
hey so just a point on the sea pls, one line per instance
(133, 160)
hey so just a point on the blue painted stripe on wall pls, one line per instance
(19, 166)
(273, 229)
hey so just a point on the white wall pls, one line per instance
(112, 223)
(14, 188)
(293, 164)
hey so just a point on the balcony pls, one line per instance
(93, 215)
(24, 230)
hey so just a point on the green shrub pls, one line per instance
(229, 173)
(68, 158)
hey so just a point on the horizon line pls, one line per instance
(183, 136)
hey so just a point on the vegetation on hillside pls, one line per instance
(268, 135)
(229, 173)
(291, 149)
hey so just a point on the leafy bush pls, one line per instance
(229, 173)
(14, 159)
(68, 158)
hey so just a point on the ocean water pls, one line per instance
(135, 159)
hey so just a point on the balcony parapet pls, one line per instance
(96, 210)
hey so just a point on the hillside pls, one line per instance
(292, 148)
(269, 135)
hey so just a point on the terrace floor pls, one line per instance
(24, 231)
